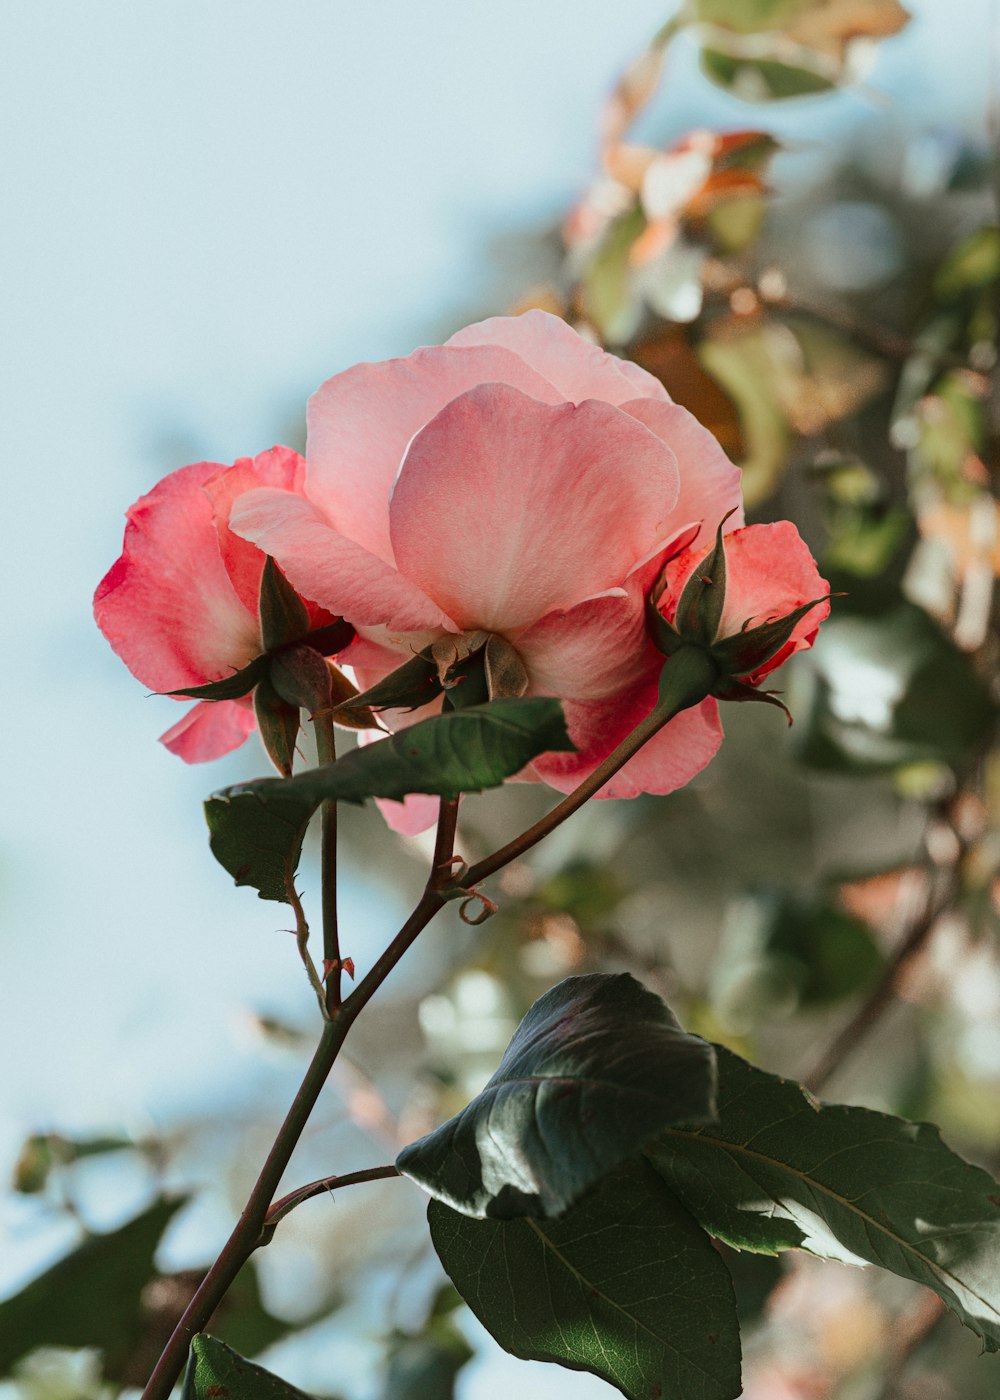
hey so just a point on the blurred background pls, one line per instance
(788, 213)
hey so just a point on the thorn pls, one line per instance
(331, 965)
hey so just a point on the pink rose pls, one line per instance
(180, 604)
(769, 576)
(516, 481)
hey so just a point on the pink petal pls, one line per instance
(361, 421)
(577, 368)
(280, 467)
(413, 815)
(209, 730)
(330, 569)
(668, 761)
(507, 509)
(596, 650)
(167, 606)
(709, 482)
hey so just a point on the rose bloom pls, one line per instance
(180, 604)
(516, 481)
(769, 574)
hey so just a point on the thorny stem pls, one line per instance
(330, 1184)
(251, 1226)
(326, 752)
(692, 676)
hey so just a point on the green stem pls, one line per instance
(251, 1227)
(326, 751)
(688, 678)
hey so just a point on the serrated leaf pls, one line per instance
(90, 1298)
(594, 1070)
(258, 842)
(215, 1370)
(624, 1285)
(779, 1170)
(257, 828)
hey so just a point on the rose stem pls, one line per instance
(248, 1231)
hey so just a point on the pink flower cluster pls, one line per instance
(516, 481)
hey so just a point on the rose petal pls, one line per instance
(361, 421)
(209, 730)
(665, 763)
(595, 650)
(577, 368)
(167, 605)
(330, 569)
(280, 467)
(507, 509)
(413, 815)
(709, 482)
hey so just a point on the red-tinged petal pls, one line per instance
(209, 730)
(507, 509)
(281, 468)
(710, 483)
(665, 763)
(361, 421)
(330, 569)
(596, 650)
(769, 573)
(167, 606)
(578, 369)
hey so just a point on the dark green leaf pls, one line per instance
(258, 842)
(216, 1371)
(745, 652)
(283, 615)
(257, 828)
(625, 1285)
(232, 687)
(91, 1298)
(779, 1170)
(594, 1070)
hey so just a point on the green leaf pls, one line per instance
(625, 1285)
(257, 828)
(594, 1070)
(608, 298)
(258, 842)
(91, 1298)
(283, 615)
(779, 1170)
(215, 1370)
